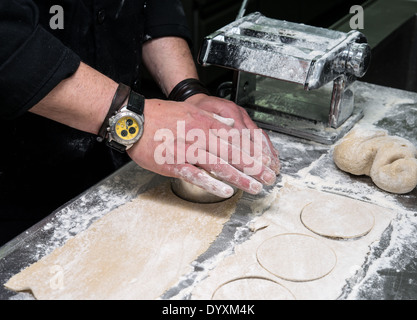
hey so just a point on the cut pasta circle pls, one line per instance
(252, 288)
(345, 219)
(296, 257)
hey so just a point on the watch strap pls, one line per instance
(136, 103)
(116, 146)
(119, 97)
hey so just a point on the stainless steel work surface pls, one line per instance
(390, 270)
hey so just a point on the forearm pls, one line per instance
(169, 60)
(80, 101)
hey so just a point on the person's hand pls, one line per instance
(229, 110)
(183, 141)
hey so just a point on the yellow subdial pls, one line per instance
(127, 128)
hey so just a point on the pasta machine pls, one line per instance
(290, 77)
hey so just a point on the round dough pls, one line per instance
(296, 257)
(395, 167)
(338, 219)
(390, 161)
(252, 288)
(356, 152)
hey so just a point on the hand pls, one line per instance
(184, 138)
(228, 109)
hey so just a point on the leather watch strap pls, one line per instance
(116, 146)
(136, 103)
(119, 97)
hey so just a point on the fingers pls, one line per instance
(221, 159)
(222, 176)
(267, 146)
(250, 164)
(237, 117)
(228, 144)
(202, 179)
(253, 143)
(225, 172)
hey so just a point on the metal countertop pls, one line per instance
(390, 272)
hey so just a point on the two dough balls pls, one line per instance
(390, 161)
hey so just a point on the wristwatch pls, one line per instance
(124, 127)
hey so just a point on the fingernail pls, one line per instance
(266, 160)
(255, 187)
(269, 177)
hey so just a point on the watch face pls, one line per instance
(126, 128)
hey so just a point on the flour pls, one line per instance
(282, 217)
(78, 215)
(322, 175)
(392, 254)
(140, 249)
(394, 251)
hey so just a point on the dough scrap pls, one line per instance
(296, 257)
(347, 219)
(252, 288)
(137, 251)
(390, 161)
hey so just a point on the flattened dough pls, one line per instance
(296, 257)
(344, 219)
(283, 217)
(252, 288)
(137, 251)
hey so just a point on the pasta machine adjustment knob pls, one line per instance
(357, 59)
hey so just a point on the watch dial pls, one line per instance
(127, 128)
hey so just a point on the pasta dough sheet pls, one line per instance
(137, 251)
(282, 218)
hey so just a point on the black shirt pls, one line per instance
(106, 34)
(43, 164)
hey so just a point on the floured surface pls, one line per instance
(284, 217)
(137, 251)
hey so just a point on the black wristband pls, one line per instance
(187, 88)
(119, 97)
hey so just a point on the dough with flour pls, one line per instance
(390, 161)
(282, 217)
(344, 219)
(252, 288)
(296, 257)
(137, 251)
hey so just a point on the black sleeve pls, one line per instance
(166, 18)
(32, 61)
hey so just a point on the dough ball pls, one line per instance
(347, 219)
(252, 288)
(390, 161)
(356, 152)
(395, 167)
(296, 257)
